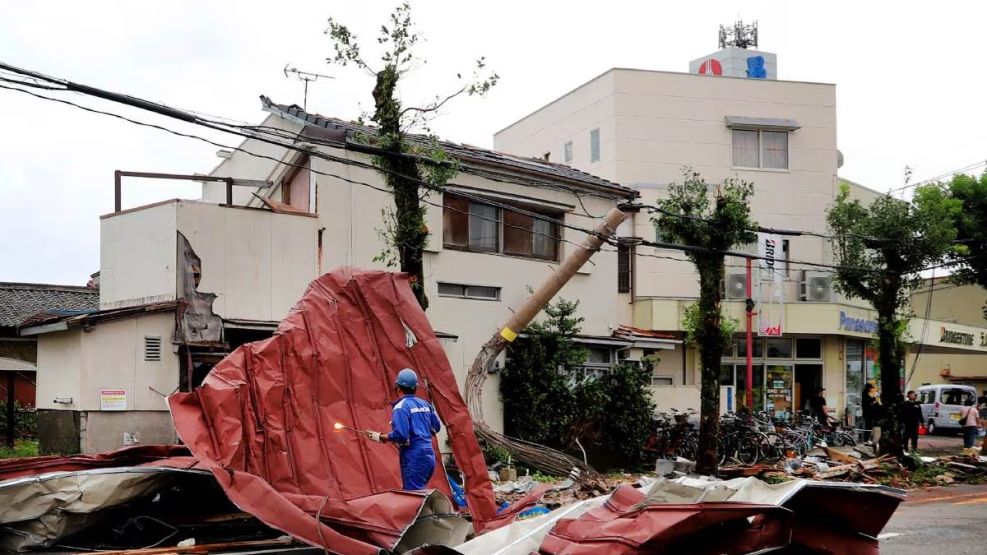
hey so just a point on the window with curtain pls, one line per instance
(760, 149)
(745, 149)
(774, 150)
(484, 227)
(476, 226)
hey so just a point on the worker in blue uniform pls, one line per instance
(413, 423)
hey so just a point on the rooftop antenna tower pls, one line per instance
(739, 35)
(306, 77)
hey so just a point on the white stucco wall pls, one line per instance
(660, 122)
(137, 256)
(258, 263)
(108, 356)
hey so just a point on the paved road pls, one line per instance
(939, 521)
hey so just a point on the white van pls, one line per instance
(942, 403)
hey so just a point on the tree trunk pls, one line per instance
(890, 355)
(403, 176)
(710, 339)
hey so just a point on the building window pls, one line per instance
(624, 254)
(594, 145)
(599, 362)
(808, 347)
(779, 347)
(760, 149)
(463, 291)
(475, 226)
(567, 152)
(662, 380)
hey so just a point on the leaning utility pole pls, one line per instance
(538, 456)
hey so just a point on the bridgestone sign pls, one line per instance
(955, 337)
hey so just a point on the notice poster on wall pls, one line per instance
(112, 399)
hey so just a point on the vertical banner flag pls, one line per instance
(771, 309)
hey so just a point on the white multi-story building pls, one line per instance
(642, 128)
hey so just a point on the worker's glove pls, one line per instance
(377, 436)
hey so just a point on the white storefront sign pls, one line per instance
(771, 306)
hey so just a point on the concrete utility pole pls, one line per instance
(538, 456)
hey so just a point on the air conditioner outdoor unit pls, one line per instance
(816, 287)
(736, 286)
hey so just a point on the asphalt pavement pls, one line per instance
(939, 521)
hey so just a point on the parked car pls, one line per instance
(941, 405)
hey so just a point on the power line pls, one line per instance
(937, 178)
(193, 119)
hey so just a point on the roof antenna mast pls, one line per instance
(306, 77)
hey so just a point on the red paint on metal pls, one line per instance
(619, 527)
(711, 66)
(749, 381)
(262, 421)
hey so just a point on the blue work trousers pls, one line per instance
(417, 465)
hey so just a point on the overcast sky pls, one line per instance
(909, 86)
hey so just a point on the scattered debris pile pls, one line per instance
(860, 464)
(745, 515)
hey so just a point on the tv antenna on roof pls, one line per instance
(307, 77)
(739, 35)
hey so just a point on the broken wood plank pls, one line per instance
(835, 471)
(840, 457)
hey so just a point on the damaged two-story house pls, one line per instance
(185, 282)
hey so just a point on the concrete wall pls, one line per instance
(79, 364)
(960, 304)
(249, 167)
(570, 118)
(102, 431)
(662, 121)
(258, 263)
(137, 256)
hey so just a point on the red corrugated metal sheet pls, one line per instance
(175, 456)
(620, 527)
(262, 421)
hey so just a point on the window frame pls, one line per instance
(466, 291)
(760, 149)
(594, 142)
(567, 154)
(554, 232)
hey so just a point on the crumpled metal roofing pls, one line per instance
(263, 419)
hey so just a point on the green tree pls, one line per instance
(687, 215)
(548, 398)
(537, 381)
(881, 250)
(971, 229)
(407, 163)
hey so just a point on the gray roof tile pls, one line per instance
(18, 301)
(466, 153)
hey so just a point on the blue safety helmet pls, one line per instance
(407, 379)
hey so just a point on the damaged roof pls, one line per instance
(19, 301)
(57, 321)
(467, 154)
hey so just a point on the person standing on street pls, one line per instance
(970, 420)
(911, 417)
(413, 423)
(817, 406)
(873, 412)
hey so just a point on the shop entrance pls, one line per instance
(807, 378)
